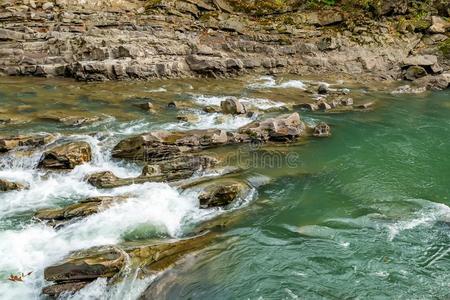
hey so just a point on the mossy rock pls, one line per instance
(444, 47)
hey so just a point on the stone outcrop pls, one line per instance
(222, 193)
(83, 267)
(61, 216)
(6, 186)
(162, 145)
(66, 156)
(14, 142)
(118, 40)
(164, 171)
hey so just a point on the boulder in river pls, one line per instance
(222, 193)
(82, 267)
(282, 128)
(323, 89)
(164, 171)
(10, 143)
(60, 216)
(66, 156)
(233, 106)
(163, 145)
(6, 186)
(322, 130)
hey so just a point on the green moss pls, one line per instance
(445, 48)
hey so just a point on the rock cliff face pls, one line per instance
(131, 39)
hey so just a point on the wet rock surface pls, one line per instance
(66, 156)
(164, 171)
(10, 143)
(60, 216)
(6, 186)
(84, 266)
(222, 193)
(161, 145)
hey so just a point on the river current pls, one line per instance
(363, 214)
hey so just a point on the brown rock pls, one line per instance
(66, 156)
(415, 72)
(322, 130)
(60, 216)
(6, 186)
(232, 106)
(222, 193)
(10, 143)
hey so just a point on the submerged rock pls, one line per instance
(366, 105)
(307, 106)
(60, 216)
(66, 156)
(74, 121)
(222, 193)
(6, 186)
(233, 106)
(10, 143)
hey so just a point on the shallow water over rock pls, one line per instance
(363, 213)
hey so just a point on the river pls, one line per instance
(361, 215)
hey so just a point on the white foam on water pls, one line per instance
(32, 246)
(158, 90)
(211, 121)
(268, 82)
(251, 103)
(427, 216)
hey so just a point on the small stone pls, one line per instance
(439, 25)
(47, 6)
(324, 105)
(366, 105)
(307, 106)
(211, 109)
(415, 72)
(323, 89)
(191, 118)
(347, 102)
(322, 130)
(146, 106)
(232, 106)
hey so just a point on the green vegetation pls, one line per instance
(445, 48)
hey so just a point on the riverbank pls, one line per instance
(122, 40)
